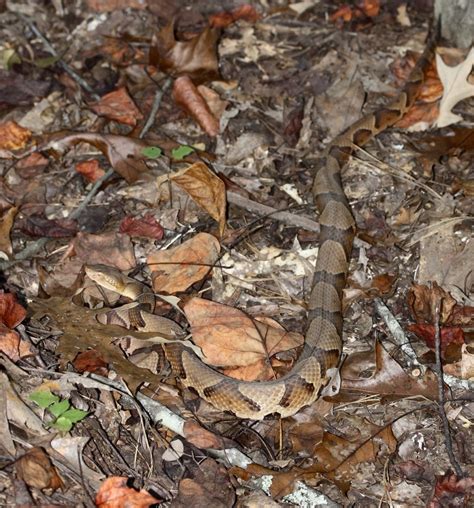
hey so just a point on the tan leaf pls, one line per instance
(206, 189)
(196, 57)
(115, 492)
(36, 470)
(189, 98)
(12, 345)
(467, 362)
(13, 136)
(112, 249)
(90, 170)
(177, 269)
(230, 338)
(6, 223)
(456, 87)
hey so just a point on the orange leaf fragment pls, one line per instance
(177, 269)
(146, 227)
(115, 493)
(11, 312)
(206, 189)
(118, 106)
(13, 136)
(188, 97)
(90, 170)
(223, 19)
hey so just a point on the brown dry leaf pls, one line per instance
(115, 5)
(451, 337)
(177, 269)
(424, 114)
(112, 249)
(11, 312)
(125, 154)
(421, 300)
(144, 227)
(197, 435)
(451, 491)
(13, 136)
(6, 224)
(305, 437)
(456, 87)
(213, 100)
(90, 361)
(229, 338)
(90, 170)
(388, 378)
(188, 97)
(196, 57)
(82, 332)
(118, 106)
(210, 487)
(467, 362)
(12, 345)
(206, 189)
(115, 493)
(39, 226)
(36, 470)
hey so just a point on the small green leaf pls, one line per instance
(8, 57)
(62, 424)
(44, 398)
(46, 62)
(181, 152)
(74, 415)
(152, 152)
(58, 408)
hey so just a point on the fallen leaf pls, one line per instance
(144, 227)
(177, 269)
(456, 88)
(449, 335)
(39, 226)
(467, 362)
(124, 153)
(388, 378)
(230, 338)
(197, 435)
(13, 136)
(90, 170)
(421, 300)
(112, 249)
(6, 224)
(196, 57)
(115, 493)
(90, 361)
(118, 106)
(36, 470)
(206, 189)
(210, 486)
(82, 332)
(188, 97)
(12, 345)
(223, 19)
(452, 491)
(11, 312)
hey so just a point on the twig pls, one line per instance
(154, 108)
(441, 399)
(259, 209)
(50, 49)
(398, 334)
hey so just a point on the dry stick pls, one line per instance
(50, 49)
(441, 398)
(155, 107)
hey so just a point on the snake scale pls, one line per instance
(323, 341)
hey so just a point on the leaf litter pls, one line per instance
(242, 86)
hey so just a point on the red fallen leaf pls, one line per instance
(118, 106)
(188, 97)
(36, 470)
(114, 493)
(90, 361)
(449, 335)
(452, 491)
(36, 225)
(223, 19)
(13, 136)
(11, 312)
(196, 57)
(90, 170)
(345, 13)
(147, 227)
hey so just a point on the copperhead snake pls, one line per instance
(323, 341)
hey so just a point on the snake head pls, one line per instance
(105, 276)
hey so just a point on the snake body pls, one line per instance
(323, 340)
